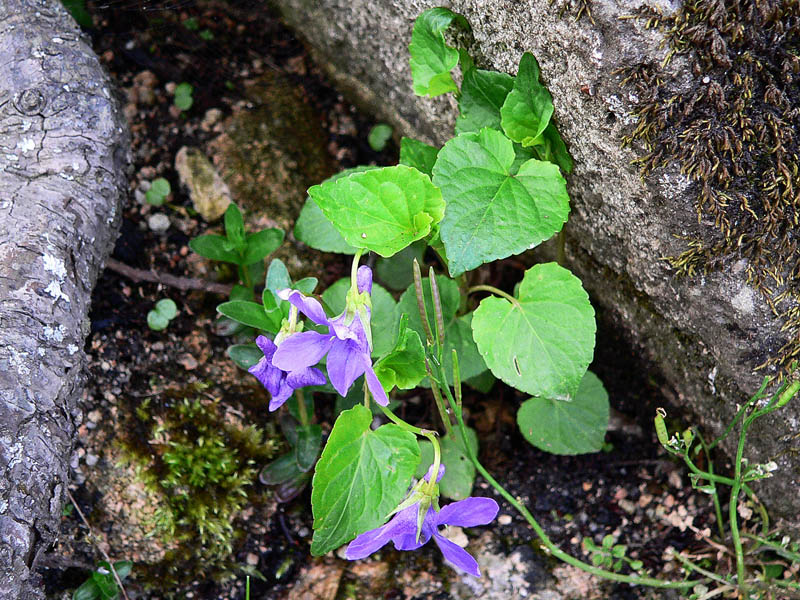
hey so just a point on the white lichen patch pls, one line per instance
(18, 360)
(54, 334)
(54, 291)
(72, 349)
(26, 145)
(54, 265)
(744, 301)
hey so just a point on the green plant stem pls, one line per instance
(437, 397)
(714, 496)
(757, 396)
(548, 543)
(244, 274)
(354, 270)
(692, 566)
(301, 407)
(423, 312)
(494, 290)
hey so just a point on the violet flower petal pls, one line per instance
(438, 477)
(405, 537)
(457, 555)
(374, 384)
(278, 399)
(301, 350)
(375, 539)
(364, 279)
(469, 512)
(310, 307)
(305, 377)
(345, 365)
(267, 346)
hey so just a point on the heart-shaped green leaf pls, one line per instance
(492, 213)
(419, 155)
(528, 108)
(382, 210)
(543, 343)
(360, 478)
(313, 227)
(431, 59)
(574, 427)
(482, 95)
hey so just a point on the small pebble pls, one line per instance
(504, 519)
(91, 460)
(252, 559)
(158, 223)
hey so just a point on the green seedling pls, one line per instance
(164, 311)
(158, 192)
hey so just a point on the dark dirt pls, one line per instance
(631, 491)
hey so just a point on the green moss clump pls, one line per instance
(735, 136)
(201, 464)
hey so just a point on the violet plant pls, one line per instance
(494, 190)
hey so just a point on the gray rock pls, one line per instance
(158, 223)
(706, 334)
(209, 193)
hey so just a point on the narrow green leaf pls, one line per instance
(306, 451)
(459, 471)
(404, 366)
(249, 313)
(277, 278)
(384, 313)
(241, 292)
(431, 59)
(280, 470)
(560, 427)
(123, 568)
(244, 355)
(419, 155)
(234, 227)
(528, 108)
(306, 285)
(544, 342)
(360, 478)
(492, 213)
(105, 583)
(382, 210)
(214, 247)
(482, 95)
(261, 244)
(77, 8)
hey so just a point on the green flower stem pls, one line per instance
(301, 407)
(757, 396)
(714, 495)
(548, 543)
(693, 566)
(427, 433)
(457, 379)
(437, 396)
(494, 290)
(244, 275)
(354, 271)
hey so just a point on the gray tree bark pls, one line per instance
(63, 153)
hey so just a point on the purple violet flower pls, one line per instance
(347, 344)
(279, 383)
(402, 530)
